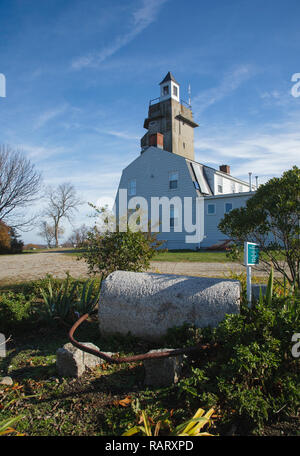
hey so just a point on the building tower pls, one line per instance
(170, 122)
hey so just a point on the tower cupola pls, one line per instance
(169, 88)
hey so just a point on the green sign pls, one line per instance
(251, 254)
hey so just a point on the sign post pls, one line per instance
(2, 346)
(251, 257)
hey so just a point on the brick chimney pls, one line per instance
(157, 140)
(225, 169)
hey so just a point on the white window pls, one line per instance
(240, 188)
(132, 187)
(173, 180)
(175, 91)
(166, 90)
(232, 187)
(173, 217)
(228, 207)
(211, 209)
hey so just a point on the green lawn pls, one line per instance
(192, 255)
(181, 255)
(176, 256)
(203, 256)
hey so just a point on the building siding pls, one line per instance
(151, 171)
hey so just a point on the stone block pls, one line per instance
(255, 291)
(73, 362)
(147, 304)
(163, 371)
(6, 381)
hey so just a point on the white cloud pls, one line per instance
(46, 116)
(266, 153)
(95, 182)
(230, 82)
(121, 134)
(140, 20)
(39, 153)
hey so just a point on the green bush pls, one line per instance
(123, 251)
(16, 310)
(273, 212)
(252, 376)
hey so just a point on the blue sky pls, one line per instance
(80, 75)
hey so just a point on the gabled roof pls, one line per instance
(169, 77)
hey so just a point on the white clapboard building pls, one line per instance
(166, 168)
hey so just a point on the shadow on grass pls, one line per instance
(34, 372)
(105, 385)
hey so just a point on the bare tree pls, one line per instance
(79, 236)
(19, 186)
(47, 232)
(62, 202)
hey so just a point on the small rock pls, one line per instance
(6, 381)
(69, 361)
(162, 371)
(256, 291)
(72, 362)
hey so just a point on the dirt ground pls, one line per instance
(18, 268)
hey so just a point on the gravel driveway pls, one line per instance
(17, 268)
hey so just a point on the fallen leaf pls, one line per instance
(125, 402)
(17, 386)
